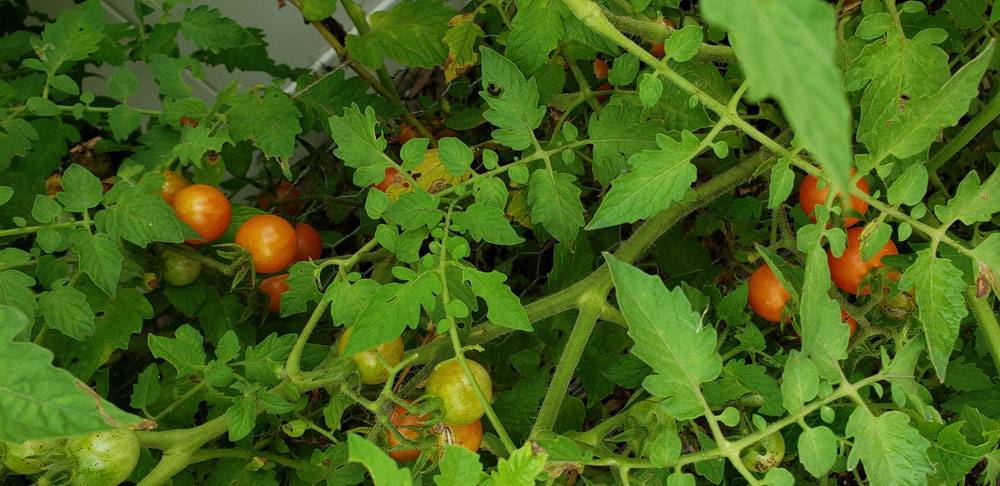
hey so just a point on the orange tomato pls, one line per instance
(390, 177)
(767, 296)
(310, 244)
(603, 87)
(600, 68)
(205, 209)
(810, 196)
(467, 436)
(284, 192)
(274, 287)
(406, 133)
(408, 426)
(271, 241)
(848, 270)
(174, 183)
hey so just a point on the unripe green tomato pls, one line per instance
(104, 458)
(765, 454)
(29, 457)
(458, 399)
(179, 270)
(371, 370)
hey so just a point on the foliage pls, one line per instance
(571, 257)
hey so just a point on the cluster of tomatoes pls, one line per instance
(767, 296)
(99, 459)
(273, 243)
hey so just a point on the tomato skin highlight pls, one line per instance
(205, 209)
(767, 297)
(274, 287)
(600, 68)
(371, 370)
(458, 399)
(406, 424)
(848, 270)
(29, 456)
(104, 458)
(179, 270)
(174, 182)
(811, 196)
(310, 244)
(271, 241)
(284, 192)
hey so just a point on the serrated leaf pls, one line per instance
(382, 467)
(393, 307)
(74, 35)
(208, 29)
(554, 201)
(137, 216)
(198, 141)
(410, 33)
(81, 189)
(185, 351)
(15, 140)
(66, 310)
(461, 40)
(268, 118)
(458, 464)
(973, 203)
(100, 258)
(940, 303)
(122, 83)
(520, 468)
(893, 452)
(146, 389)
(505, 308)
(515, 111)
(487, 223)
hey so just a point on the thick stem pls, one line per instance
(657, 32)
(990, 112)
(987, 320)
(590, 309)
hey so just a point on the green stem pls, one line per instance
(102, 109)
(33, 229)
(490, 414)
(989, 113)
(590, 309)
(360, 20)
(987, 320)
(657, 32)
(209, 454)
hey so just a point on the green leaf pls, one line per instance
(197, 142)
(73, 36)
(910, 187)
(520, 468)
(39, 106)
(988, 255)
(168, 73)
(658, 178)
(185, 351)
(146, 389)
(619, 132)
(357, 145)
(44, 210)
(782, 183)
(893, 452)
(669, 337)
(515, 111)
(414, 210)
(458, 465)
(410, 33)
(940, 302)
(66, 310)
(122, 83)
(208, 29)
(973, 203)
(487, 223)
(952, 454)
(623, 70)
(455, 155)
(350, 299)
(489, 191)
(317, 10)
(393, 307)
(505, 308)
(786, 49)
(41, 401)
(302, 289)
(242, 417)
(100, 258)
(15, 292)
(382, 467)
(554, 201)
(650, 89)
(683, 44)
(824, 338)
(329, 95)
(15, 140)
(138, 216)
(818, 450)
(268, 118)
(123, 121)
(799, 381)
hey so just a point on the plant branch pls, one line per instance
(987, 320)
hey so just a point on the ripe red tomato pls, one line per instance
(845, 317)
(467, 436)
(603, 87)
(407, 425)
(174, 183)
(271, 241)
(810, 196)
(284, 192)
(657, 49)
(391, 175)
(205, 209)
(370, 368)
(767, 296)
(406, 133)
(446, 133)
(274, 287)
(600, 68)
(848, 270)
(310, 245)
(458, 399)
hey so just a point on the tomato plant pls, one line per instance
(272, 242)
(758, 222)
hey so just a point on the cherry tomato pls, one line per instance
(29, 457)
(391, 175)
(657, 50)
(899, 307)
(600, 68)
(846, 318)
(848, 270)
(189, 122)
(467, 436)
(407, 425)
(205, 209)
(274, 287)
(271, 241)
(446, 133)
(767, 296)
(764, 455)
(372, 371)
(406, 133)
(284, 192)
(179, 270)
(104, 458)
(458, 399)
(603, 87)
(810, 196)
(175, 182)
(310, 245)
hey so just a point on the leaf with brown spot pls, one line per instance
(461, 41)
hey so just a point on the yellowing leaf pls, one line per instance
(517, 209)
(430, 175)
(461, 41)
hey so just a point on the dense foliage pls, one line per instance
(571, 242)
